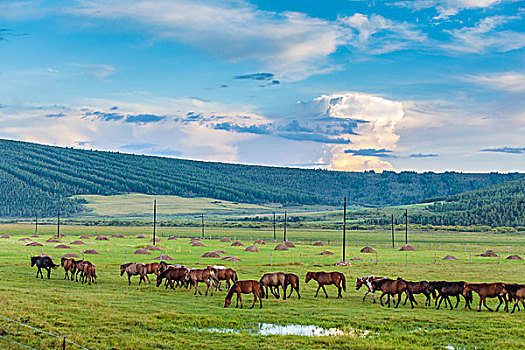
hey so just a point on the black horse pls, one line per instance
(43, 262)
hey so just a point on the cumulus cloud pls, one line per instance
(506, 81)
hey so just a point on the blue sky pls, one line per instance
(425, 85)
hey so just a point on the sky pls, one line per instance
(422, 85)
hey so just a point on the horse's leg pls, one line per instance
(364, 296)
(500, 302)
(457, 301)
(373, 297)
(406, 300)
(440, 298)
(318, 287)
(339, 289)
(480, 303)
(485, 303)
(284, 291)
(381, 298)
(237, 305)
(148, 279)
(324, 290)
(254, 300)
(240, 297)
(48, 272)
(129, 280)
(260, 301)
(37, 272)
(398, 300)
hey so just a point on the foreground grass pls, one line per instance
(115, 315)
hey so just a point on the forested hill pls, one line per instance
(34, 178)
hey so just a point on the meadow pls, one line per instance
(113, 315)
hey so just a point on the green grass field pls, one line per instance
(113, 315)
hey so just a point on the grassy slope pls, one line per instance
(113, 315)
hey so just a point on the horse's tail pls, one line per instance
(261, 286)
(410, 293)
(234, 277)
(343, 279)
(297, 283)
(53, 265)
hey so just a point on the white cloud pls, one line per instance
(506, 81)
(448, 8)
(100, 71)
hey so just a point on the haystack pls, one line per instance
(230, 258)
(142, 251)
(84, 237)
(220, 251)
(24, 239)
(164, 257)
(281, 246)
(63, 246)
(197, 244)
(355, 259)
(117, 235)
(450, 258)
(252, 248)
(514, 257)
(34, 244)
(53, 240)
(259, 241)
(5, 236)
(289, 244)
(489, 254)
(152, 247)
(342, 263)
(326, 252)
(90, 251)
(35, 235)
(368, 250)
(237, 243)
(78, 242)
(407, 248)
(156, 239)
(69, 255)
(101, 238)
(210, 255)
(225, 239)
(141, 236)
(170, 238)
(318, 244)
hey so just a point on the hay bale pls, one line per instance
(237, 243)
(514, 257)
(318, 244)
(5, 236)
(225, 239)
(220, 251)
(117, 235)
(90, 251)
(289, 244)
(35, 235)
(171, 238)
(198, 244)
(34, 244)
(342, 263)
(252, 248)
(326, 252)
(24, 239)
(53, 240)
(281, 246)
(407, 248)
(142, 251)
(84, 237)
(101, 238)
(78, 242)
(489, 254)
(69, 255)
(450, 258)
(152, 247)
(230, 258)
(141, 236)
(63, 246)
(164, 257)
(210, 255)
(368, 250)
(156, 239)
(259, 241)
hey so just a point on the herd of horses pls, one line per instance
(178, 276)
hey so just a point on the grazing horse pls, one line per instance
(88, 272)
(327, 278)
(201, 275)
(221, 273)
(516, 292)
(422, 287)
(293, 281)
(274, 279)
(134, 269)
(367, 281)
(245, 287)
(391, 287)
(43, 262)
(447, 289)
(178, 274)
(487, 290)
(69, 266)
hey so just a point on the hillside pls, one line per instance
(34, 178)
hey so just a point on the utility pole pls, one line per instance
(58, 222)
(344, 230)
(202, 224)
(392, 230)
(406, 226)
(285, 225)
(274, 237)
(154, 218)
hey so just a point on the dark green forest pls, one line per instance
(34, 178)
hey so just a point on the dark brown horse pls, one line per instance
(447, 289)
(516, 293)
(43, 262)
(245, 287)
(201, 275)
(133, 269)
(275, 279)
(487, 290)
(69, 266)
(152, 269)
(88, 272)
(223, 274)
(172, 275)
(421, 287)
(326, 278)
(292, 280)
(391, 287)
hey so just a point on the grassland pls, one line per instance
(113, 315)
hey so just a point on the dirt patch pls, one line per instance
(225, 239)
(171, 238)
(514, 257)
(5, 236)
(221, 251)
(450, 258)
(281, 246)
(117, 235)
(63, 246)
(164, 257)
(198, 244)
(54, 241)
(289, 244)
(259, 241)
(368, 250)
(34, 244)
(84, 237)
(237, 244)
(230, 258)
(342, 263)
(101, 238)
(326, 252)
(252, 248)
(142, 251)
(318, 244)
(90, 251)
(78, 242)
(489, 254)
(69, 255)
(210, 255)
(141, 236)
(407, 248)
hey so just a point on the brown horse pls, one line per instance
(88, 272)
(516, 293)
(422, 287)
(487, 290)
(222, 274)
(367, 281)
(133, 269)
(69, 266)
(292, 280)
(447, 289)
(152, 268)
(327, 278)
(275, 279)
(172, 275)
(245, 287)
(391, 287)
(201, 275)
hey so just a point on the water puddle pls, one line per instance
(291, 329)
